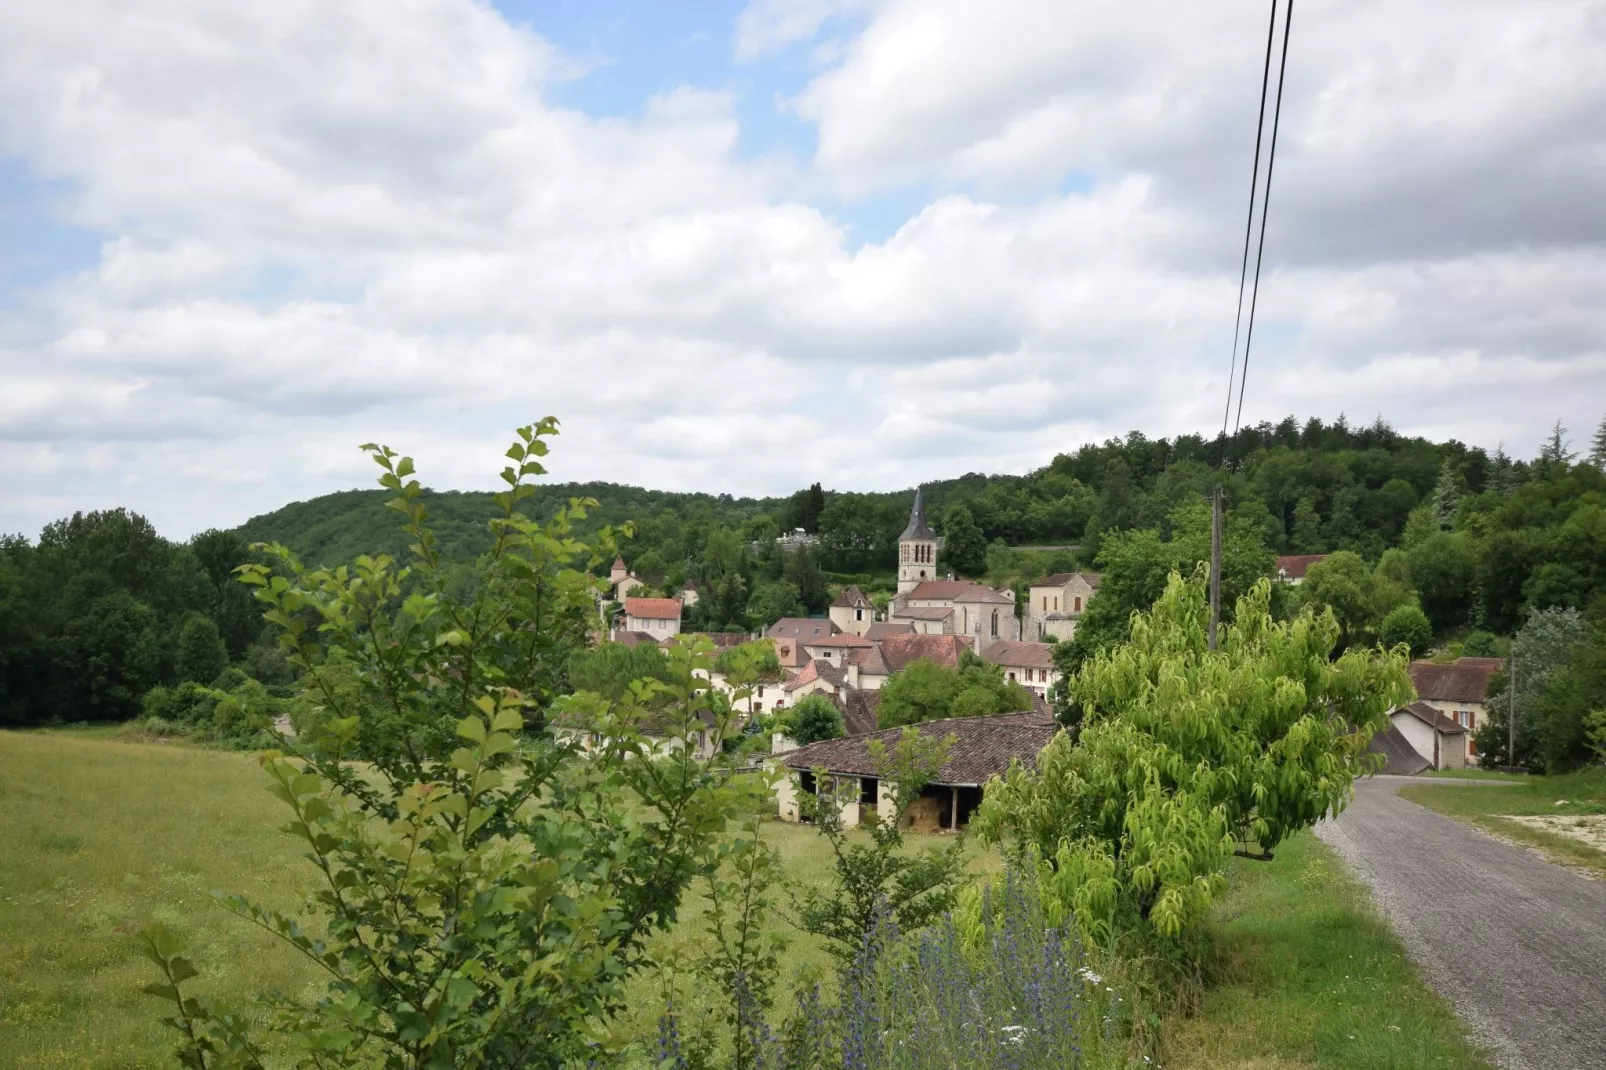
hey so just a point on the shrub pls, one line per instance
(1480, 644)
(814, 718)
(1408, 625)
(486, 888)
(1188, 755)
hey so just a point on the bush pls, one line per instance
(1480, 644)
(1408, 625)
(813, 719)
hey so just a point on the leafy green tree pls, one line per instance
(1343, 583)
(1307, 534)
(115, 651)
(198, 651)
(1597, 448)
(462, 923)
(964, 547)
(1541, 649)
(1408, 625)
(773, 600)
(608, 669)
(1443, 570)
(879, 880)
(1188, 755)
(802, 569)
(1479, 644)
(230, 605)
(922, 691)
(814, 718)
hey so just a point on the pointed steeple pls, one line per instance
(917, 520)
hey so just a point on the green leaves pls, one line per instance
(485, 885)
(1187, 755)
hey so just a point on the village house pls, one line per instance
(979, 749)
(1291, 568)
(1437, 737)
(817, 678)
(791, 633)
(1054, 604)
(1029, 664)
(657, 617)
(1458, 690)
(852, 611)
(622, 580)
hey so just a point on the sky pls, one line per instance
(741, 247)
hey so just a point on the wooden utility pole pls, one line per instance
(1511, 714)
(1215, 564)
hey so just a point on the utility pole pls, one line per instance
(1215, 564)
(1511, 714)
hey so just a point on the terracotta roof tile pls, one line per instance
(1029, 655)
(1437, 719)
(1463, 680)
(1294, 566)
(899, 650)
(883, 628)
(982, 747)
(852, 598)
(801, 628)
(653, 608)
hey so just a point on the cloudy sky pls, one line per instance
(743, 246)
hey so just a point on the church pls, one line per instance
(934, 604)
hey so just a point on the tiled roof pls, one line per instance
(869, 660)
(925, 612)
(1430, 716)
(1463, 680)
(883, 628)
(859, 712)
(981, 747)
(653, 608)
(1029, 655)
(852, 598)
(980, 592)
(937, 590)
(801, 628)
(843, 640)
(630, 639)
(899, 650)
(1060, 579)
(1401, 758)
(619, 564)
(1294, 565)
(817, 670)
(721, 640)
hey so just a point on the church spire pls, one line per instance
(917, 528)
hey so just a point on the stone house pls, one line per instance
(1029, 664)
(1291, 568)
(790, 635)
(980, 748)
(852, 611)
(1437, 737)
(1055, 604)
(657, 617)
(1459, 690)
(622, 580)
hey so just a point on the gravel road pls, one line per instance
(1517, 944)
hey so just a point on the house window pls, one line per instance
(1464, 718)
(867, 791)
(1078, 603)
(995, 624)
(1012, 676)
(1056, 602)
(858, 614)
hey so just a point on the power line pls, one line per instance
(1271, 162)
(1249, 222)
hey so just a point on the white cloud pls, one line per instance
(330, 225)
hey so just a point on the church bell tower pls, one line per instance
(917, 549)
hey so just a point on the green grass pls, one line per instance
(1477, 774)
(1577, 793)
(100, 830)
(1309, 975)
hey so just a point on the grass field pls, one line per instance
(1581, 794)
(1309, 975)
(101, 830)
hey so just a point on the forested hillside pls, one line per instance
(100, 609)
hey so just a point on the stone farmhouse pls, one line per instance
(1055, 604)
(980, 748)
(1458, 690)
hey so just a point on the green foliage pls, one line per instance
(773, 600)
(198, 653)
(878, 881)
(1186, 755)
(609, 669)
(1343, 583)
(1479, 644)
(925, 691)
(964, 546)
(814, 718)
(1306, 536)
(1407, 625)
(1443, 569)
(746, 953)
(487, 888)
